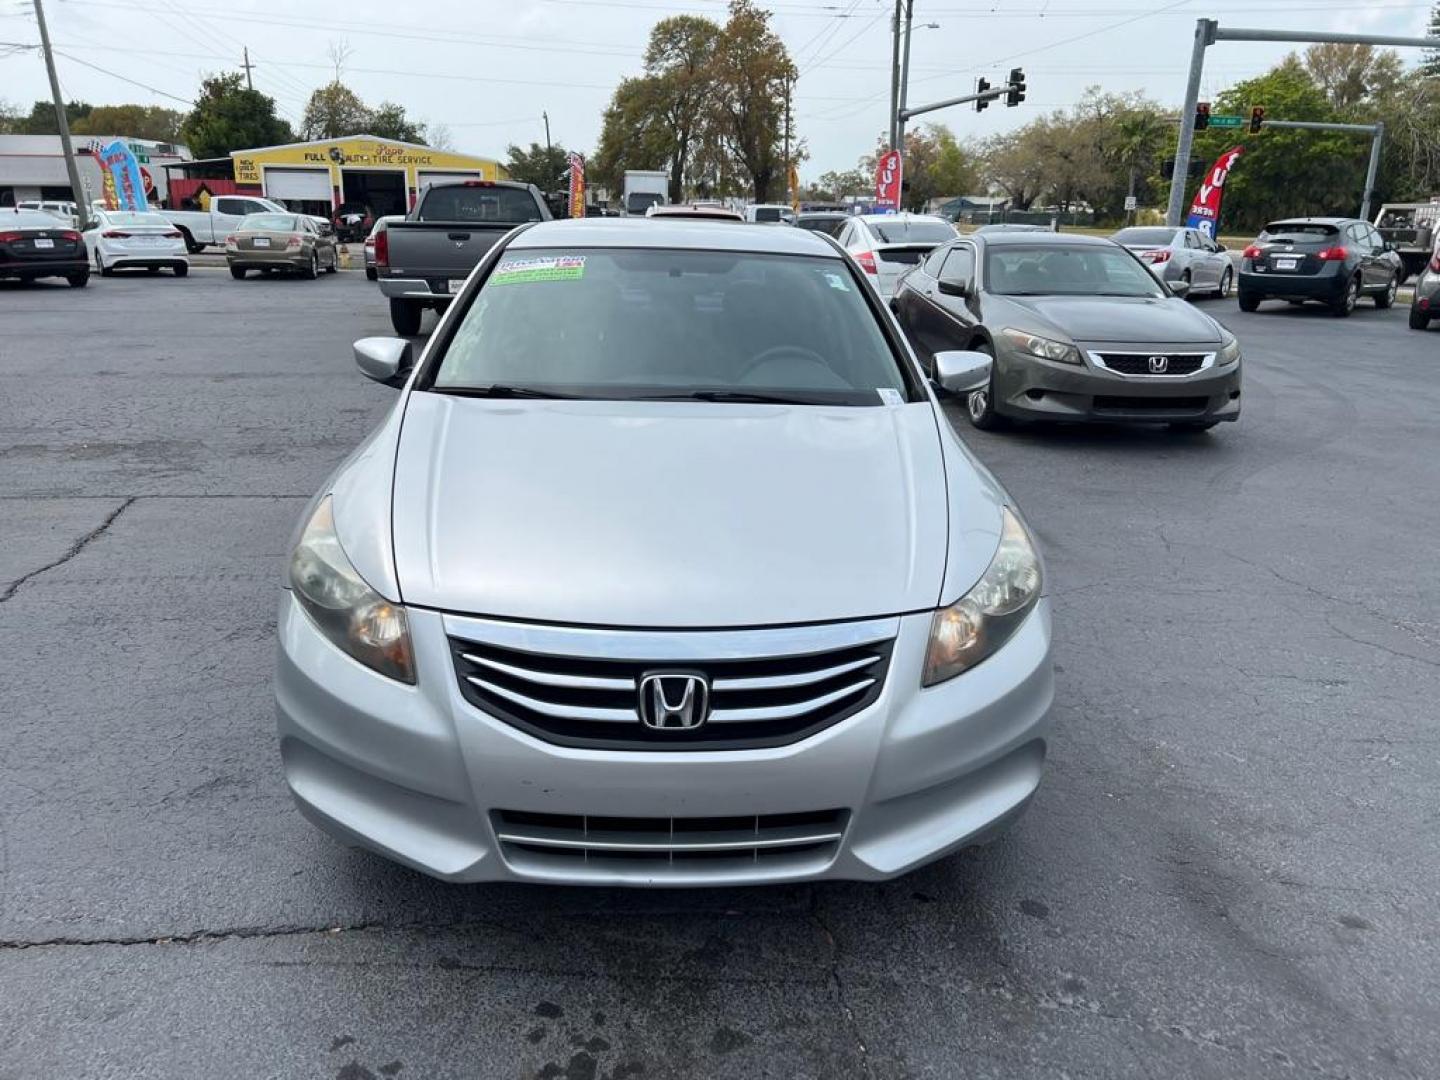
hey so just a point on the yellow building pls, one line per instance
(316, 177)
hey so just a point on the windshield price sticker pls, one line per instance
(548, 268)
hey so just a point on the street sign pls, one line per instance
(1227, 121)
(1131, 202)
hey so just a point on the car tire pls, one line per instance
(1249, 301)
(1227, 280)
(334, 267)
(1342, 307)
(1192, 425)
(980, 404)
(238, 273)
(1418, 319)
(371, 274)
(1384, 299)
(312, 270)
(79, 279)
(105, 271)
(181, 269)
(405, 317)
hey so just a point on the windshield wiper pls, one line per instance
(760, 397)
(503, 390)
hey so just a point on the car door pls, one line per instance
(1384, 265)
(1194, 256)
(915, 303)
(91, 233)
(1219, 257)
(957, 316)
(1356, 240)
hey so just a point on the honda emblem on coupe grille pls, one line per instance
(674, 701)
(1158, 364)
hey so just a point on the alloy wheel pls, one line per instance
(977, 403)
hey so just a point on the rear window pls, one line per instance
(268, 223)
(912, 232)
(1144, 236)
(769, 213)
(461, 202)
(658, 324)
(1298, 228)
(135, 220)
(639, 201)
(31, 219)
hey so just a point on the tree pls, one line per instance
(1430, 62)
(41, 120)
(334, 111)
(544, 167)
(10, 118)
(388, 121)
(136, 121)
(679, 62)
(833, 186)
(438, 136)
(1013, 163)
(229, 117)
(750, 93)
(1348, 74)
(631, 134)
(935, 166)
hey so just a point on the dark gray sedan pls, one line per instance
(1080, 331)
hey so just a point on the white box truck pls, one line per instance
(645, 188)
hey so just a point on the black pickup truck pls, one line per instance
(423, 260)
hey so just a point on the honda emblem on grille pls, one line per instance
(674, 700)
(1158, 364)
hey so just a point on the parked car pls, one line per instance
(1425, 305)
(845, 673)
(887, 245)
(35, 244)
(693, 212)
(829, 222)
(422, 261)
(1079, 329)
(1011, 227)
(202, 228)
(770, 214)
(1333, 260)
(381, 224)
(61, 209)
(289, 242)
(1181, 254)
(352, 221)
(131, 240)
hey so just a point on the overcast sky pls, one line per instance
(487, 69)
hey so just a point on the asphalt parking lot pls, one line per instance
(1232, 869)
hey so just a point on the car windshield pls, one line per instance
(1158, 237)
(138, 220)
(912, 232)
(268, 223)
(479, 202)
(1035, 270)
(1297, 228)
(30, 219)
(672, 325)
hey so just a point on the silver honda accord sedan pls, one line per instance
(665, 568)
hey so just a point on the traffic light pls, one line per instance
(1257, 118)
(1202, 115)
(981, 85)
(1017, 87)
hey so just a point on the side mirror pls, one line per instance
(962, 372)
(383, 359)
(950, 287)
(1179, 288)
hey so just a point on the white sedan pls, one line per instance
(126, 239)
(888, 245)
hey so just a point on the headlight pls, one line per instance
(348, 612)
(982, 620)
(1062, 352)
(1229, 353)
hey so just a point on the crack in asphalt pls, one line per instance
(838, 983)
(74, 549)
(199, 937)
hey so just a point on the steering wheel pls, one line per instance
(775, 352)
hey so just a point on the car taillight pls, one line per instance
(115, 234)
(293, 242)
(1333, 254)
(1163, 255)
(382, 249)
(1251, 252)
(71, 235)
(1435, 264)
(10, 237)
(866, 259)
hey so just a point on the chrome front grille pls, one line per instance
(580, 693)
(1139, 363)
(669, 847)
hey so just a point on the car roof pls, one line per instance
(695, 212)
(1005, 239)
(875, 219)
(691, 233)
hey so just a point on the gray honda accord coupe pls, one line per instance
(665, 568)
(1079, 330)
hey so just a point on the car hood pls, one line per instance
(665, 514)
(1117, 318)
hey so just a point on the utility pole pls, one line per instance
(77, 191)
(904, 86)
(788, 87)
(895, 76)
(249, 82)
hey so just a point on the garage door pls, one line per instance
(435, 176)
(305, 184)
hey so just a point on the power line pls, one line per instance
(124, 79)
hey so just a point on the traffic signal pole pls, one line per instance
(1207, 32)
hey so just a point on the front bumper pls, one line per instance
(1327, 283)
(421, 776)
(1027, 387)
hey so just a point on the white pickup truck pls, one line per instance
(202, 228)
